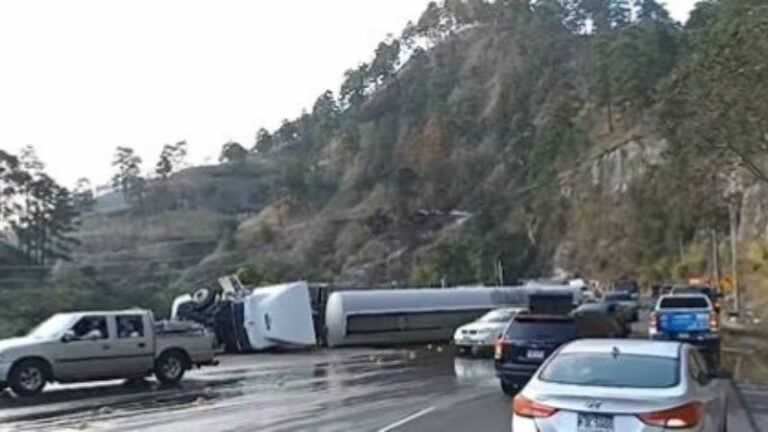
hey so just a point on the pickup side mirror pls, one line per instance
(68, 336)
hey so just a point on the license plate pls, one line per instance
(595, 423)
(683, 335)
(535, 354)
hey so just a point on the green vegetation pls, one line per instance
(489, 138)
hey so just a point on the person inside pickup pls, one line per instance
(129, 326)
(90, 328)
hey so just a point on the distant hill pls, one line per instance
(543, 136)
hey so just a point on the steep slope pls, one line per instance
(489, 135)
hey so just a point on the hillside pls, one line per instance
(543, 136)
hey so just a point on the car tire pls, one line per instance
(170, 367)
(203, 298)
(29, 377)
(509, 389)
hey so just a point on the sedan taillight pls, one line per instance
(498, 349)
(525, 407)
(684, 416)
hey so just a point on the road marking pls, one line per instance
(408, 419)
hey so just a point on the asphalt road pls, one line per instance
(339, 390)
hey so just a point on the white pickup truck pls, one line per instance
(88, 346)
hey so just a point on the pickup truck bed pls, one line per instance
(687, 318)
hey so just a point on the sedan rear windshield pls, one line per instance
(609, 370)
(684, 303)
(542, 330)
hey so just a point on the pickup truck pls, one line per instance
(89, 346)
(687, 318)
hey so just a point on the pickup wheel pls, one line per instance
(170, 367)
(28, 377)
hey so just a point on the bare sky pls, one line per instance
(80, 77)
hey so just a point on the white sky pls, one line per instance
(81, 77)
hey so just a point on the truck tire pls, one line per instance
(170, 367)
(203, 298)
(29, 377)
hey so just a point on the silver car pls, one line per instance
(615, 385)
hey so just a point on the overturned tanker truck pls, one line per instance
(299, 314)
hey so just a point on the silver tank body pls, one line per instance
(401, 316)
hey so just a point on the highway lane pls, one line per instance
(337, 390)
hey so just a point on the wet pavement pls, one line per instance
(334, 390)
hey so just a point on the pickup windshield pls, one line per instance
(52, 327)
(684, 303)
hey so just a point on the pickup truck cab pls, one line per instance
(89, 346)
(687, 318)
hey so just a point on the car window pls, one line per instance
(130, 326)
(557, 330)
(497, 316)
(91, 327)
(698, 368)
(611, 370)
(617, 297)
(684, 302)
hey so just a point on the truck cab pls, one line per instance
(88, 346)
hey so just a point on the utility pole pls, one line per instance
(733, 217)
(715, 260)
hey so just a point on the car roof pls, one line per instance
(669, 349)
(686, 295)
(510, 309)
(111, 312)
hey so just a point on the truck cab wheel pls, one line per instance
(170, 367)
(28, 378)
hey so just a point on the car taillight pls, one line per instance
(685, 416)
(498, 349)
(714, 321)
(525, 407)
(653, 321)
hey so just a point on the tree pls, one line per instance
(325, 112)
(717, 99)
(171, 158)
(82, 197)
(652, 10)
(12, 180)
(233, 153)
(29, 160)
(264, 142)
(128, 178)
(354, 87)
(385, 62)
(48, 219)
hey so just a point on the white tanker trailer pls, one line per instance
(290, 315)
(419, 315)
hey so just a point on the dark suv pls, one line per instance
(526, 343)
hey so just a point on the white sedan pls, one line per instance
(607, 385)
(480, 335)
